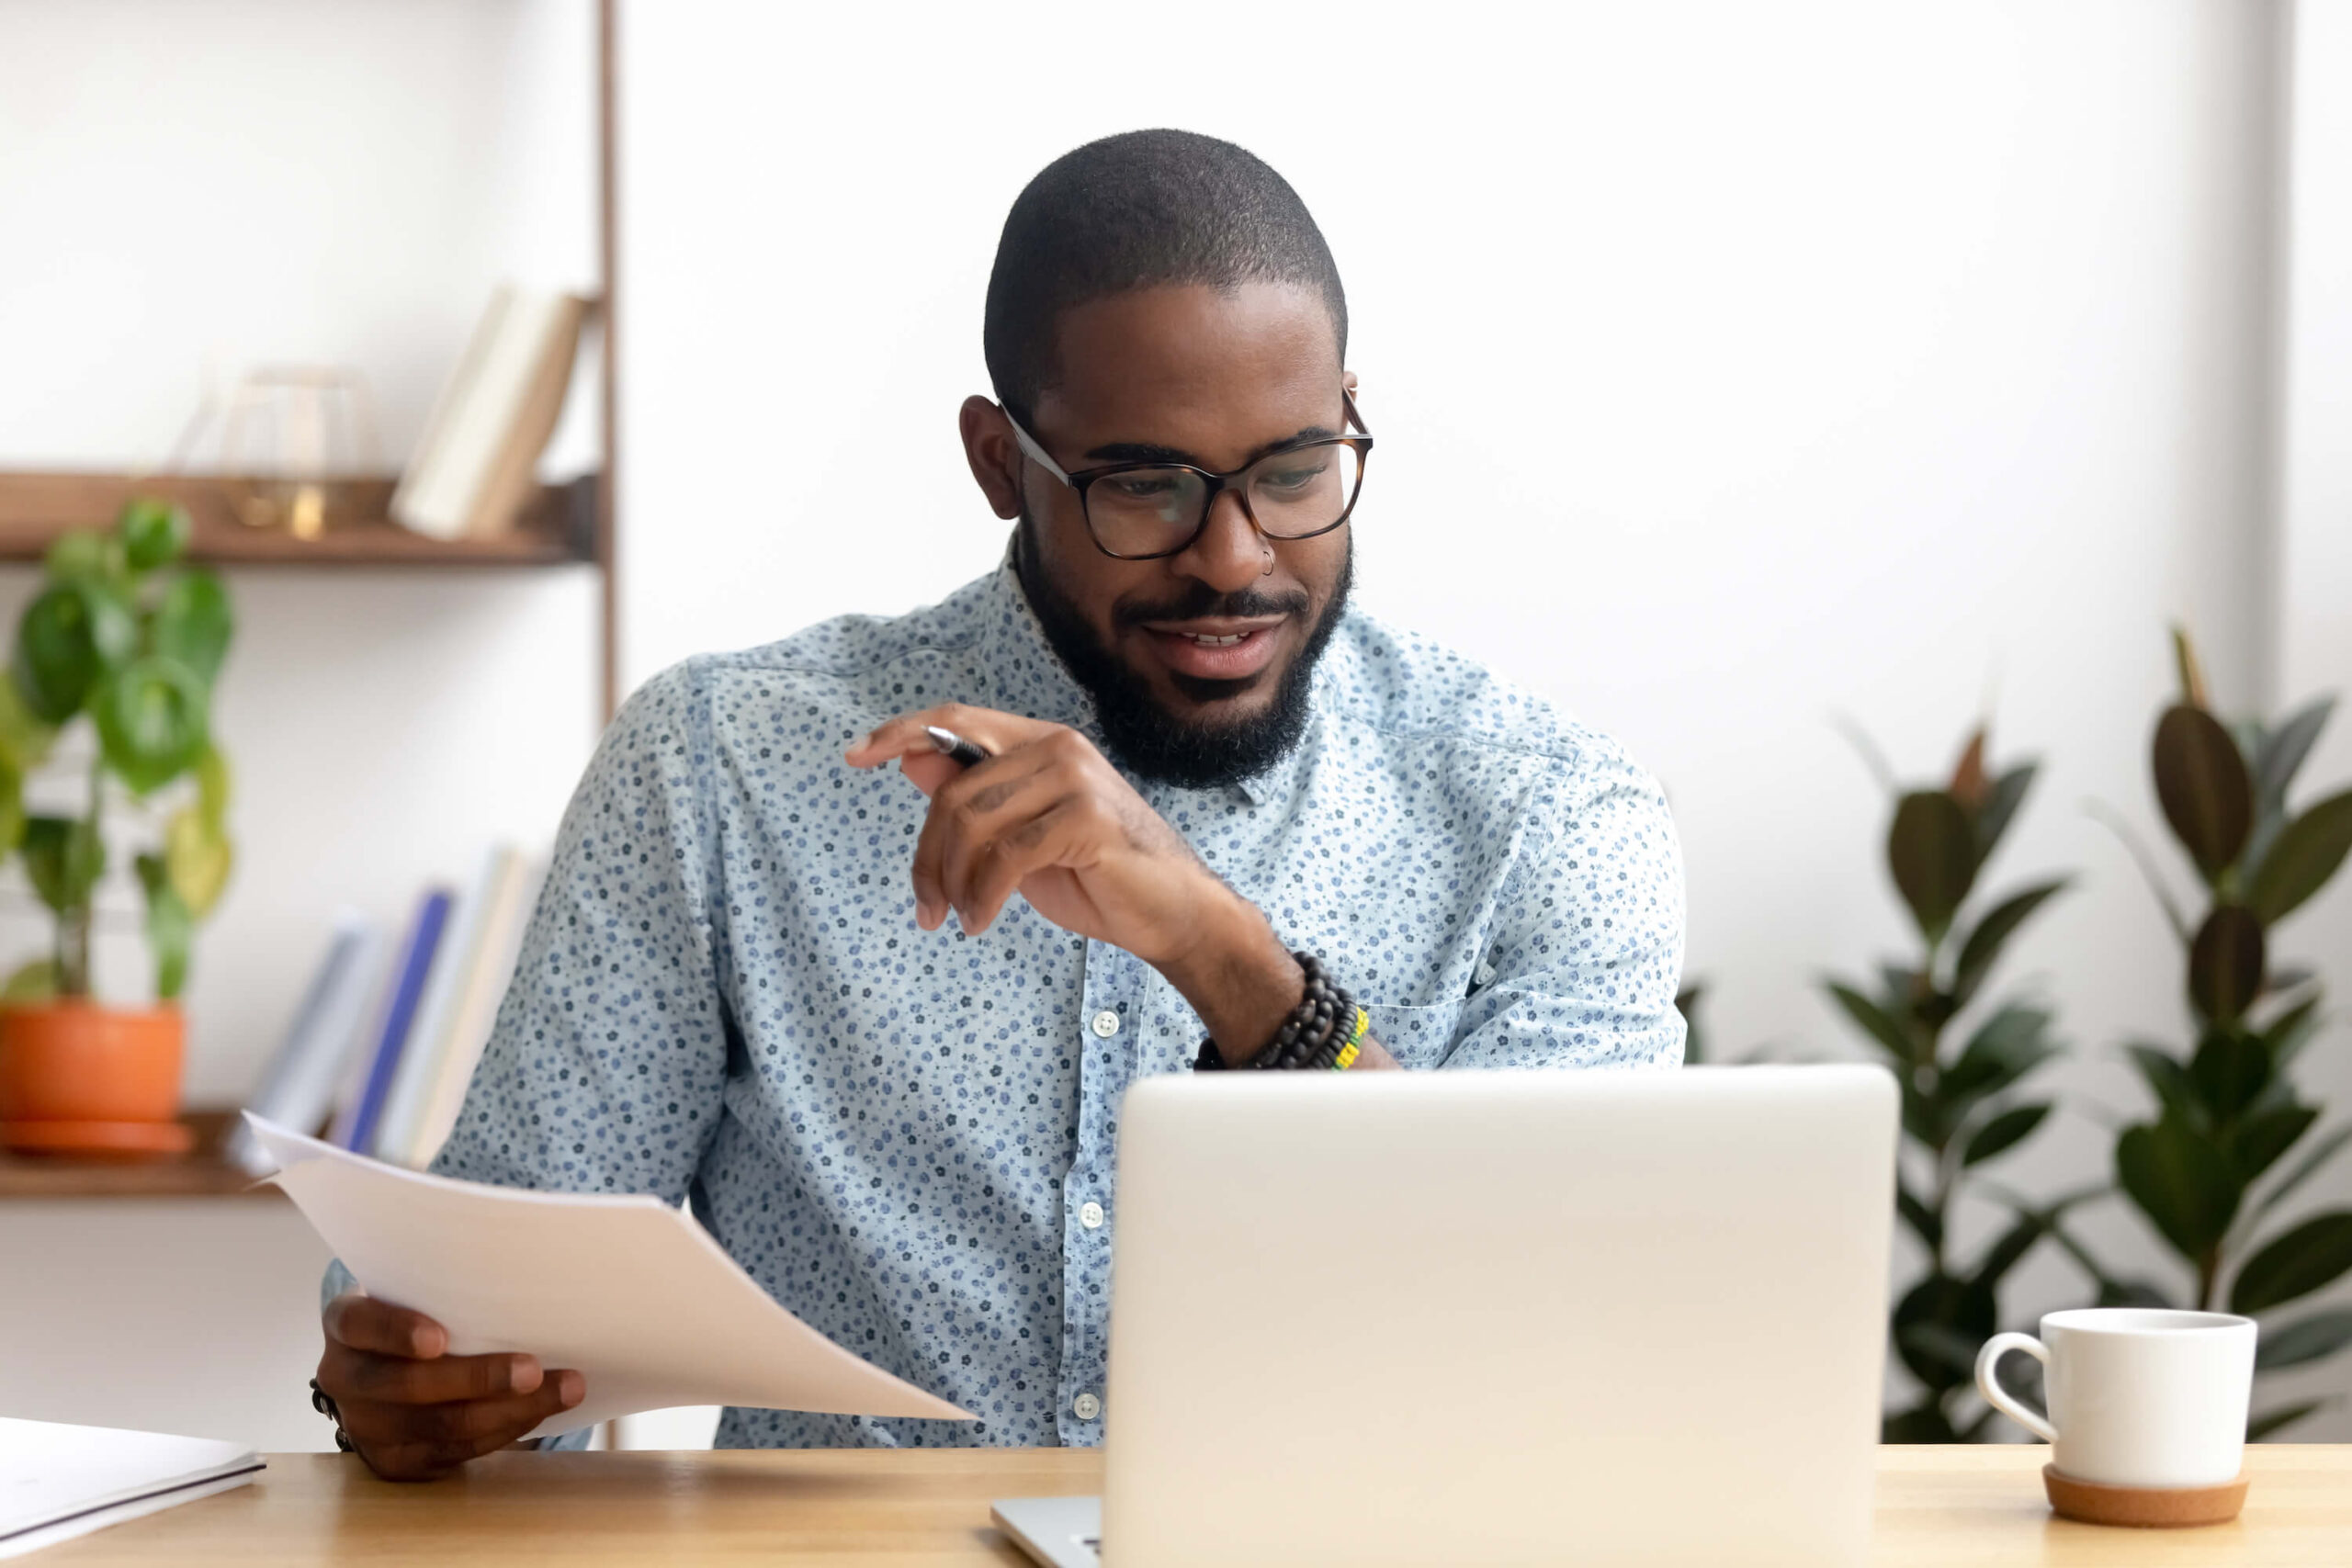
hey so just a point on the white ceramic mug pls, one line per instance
(2138, 1397)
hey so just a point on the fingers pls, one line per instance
(366, 1324)
(407, 1442)
(904, 736)
(977, 810)
(994, 876)
(346, 1373)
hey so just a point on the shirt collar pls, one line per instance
(1029, 678)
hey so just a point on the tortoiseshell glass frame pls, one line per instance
(1084, 478)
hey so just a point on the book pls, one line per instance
(298, 1088)
(477, 457)
(502, 945)
(357, 1131)
(60, 1481)
(453, 963)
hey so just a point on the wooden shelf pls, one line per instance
(559, 528)
(198, 1174)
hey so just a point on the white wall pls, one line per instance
(1733, 366)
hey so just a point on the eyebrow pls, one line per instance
(1149, 452)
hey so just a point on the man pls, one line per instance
(901, 1117)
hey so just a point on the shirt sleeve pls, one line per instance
(1586, 947)
(605, 1070)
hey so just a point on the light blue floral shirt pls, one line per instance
(909, 1137)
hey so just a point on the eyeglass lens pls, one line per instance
(1292, 493)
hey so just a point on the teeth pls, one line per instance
(1220, 641)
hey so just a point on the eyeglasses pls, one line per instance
(1146, 510)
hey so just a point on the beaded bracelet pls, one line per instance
(1325, 1031)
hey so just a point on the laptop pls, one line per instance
(1498, 1317)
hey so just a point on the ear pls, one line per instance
(995, 457)
(1348, 380)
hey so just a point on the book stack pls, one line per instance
(388, 1033)
(478, 459)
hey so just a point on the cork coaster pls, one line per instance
(2145, 1507)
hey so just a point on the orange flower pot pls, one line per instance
(113, 1074)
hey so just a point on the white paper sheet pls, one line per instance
(627, 1289)
(59, 1482)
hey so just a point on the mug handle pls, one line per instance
(2000, 1398)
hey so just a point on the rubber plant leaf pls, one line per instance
(2175, 1093)
(2311, 1257)
(153, 720)
(1931, 849)
(2229, 1072)
(2225, 961)
(1969, 783)
(2005, 1048)
(2314, 1338)
(2266, 1422)
(2264, 1139)
(2185, 1185)
(2000, 808)
(2003, 1133)
(2203, 786)
(1875, 1021)
(1982, 948)
(2283, 750)
(2313, 1159)
(2308, 851)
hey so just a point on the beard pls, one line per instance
(1142, 735)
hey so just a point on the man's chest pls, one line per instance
(1386, 869)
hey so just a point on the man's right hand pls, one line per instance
(414, 1411)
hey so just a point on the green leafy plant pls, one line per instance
(124, 636)
(2228, 1113)
(1960, 1109)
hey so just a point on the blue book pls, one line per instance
(400, 1014)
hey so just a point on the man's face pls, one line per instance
(1213, 379)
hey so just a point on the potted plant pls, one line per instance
(122, 642)
(1960, 1109)
(2207, 1167)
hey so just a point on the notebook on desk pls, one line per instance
(58, 1481)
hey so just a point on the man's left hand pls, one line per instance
(1046, 816)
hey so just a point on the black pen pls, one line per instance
(955, 748)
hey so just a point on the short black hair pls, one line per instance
(1134, 211)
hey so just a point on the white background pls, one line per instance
(1733, 367)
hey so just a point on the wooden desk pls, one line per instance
(1936, 1506)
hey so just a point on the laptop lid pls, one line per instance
(1612, 1317)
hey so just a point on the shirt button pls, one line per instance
(1106, 1024)
(1086, 1407)
(1090, 1214)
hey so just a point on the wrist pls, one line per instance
(1239, 978)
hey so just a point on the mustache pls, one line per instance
(1201, 601)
